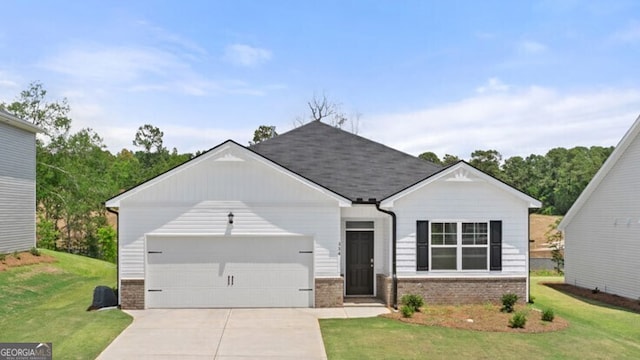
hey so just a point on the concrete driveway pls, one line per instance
(227, 333)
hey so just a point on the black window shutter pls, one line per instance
(422, 245)
(495, 246)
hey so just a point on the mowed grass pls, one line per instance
(48, 303)
(596, 331)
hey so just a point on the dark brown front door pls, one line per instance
(359, 263)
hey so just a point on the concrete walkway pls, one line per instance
(228, 333)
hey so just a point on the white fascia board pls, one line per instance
(460, 168)
(14, 121)
(617, 153)
(220, 149)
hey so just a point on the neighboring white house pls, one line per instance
(315, 215)
(17, 183)
(602, 228)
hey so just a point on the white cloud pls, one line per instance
(525, 121)
(245, 55)
(531, 47)
(492, 85)
(113, 64)
(175, 40)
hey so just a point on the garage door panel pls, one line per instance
(229, 272)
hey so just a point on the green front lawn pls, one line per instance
(595, 332)
(48, 303)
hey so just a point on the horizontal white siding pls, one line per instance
(210, 217)
(468, 201)
(17, 189)
(198, 200)
(602, 242)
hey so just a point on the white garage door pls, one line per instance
(204, 272)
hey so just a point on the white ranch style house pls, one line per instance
(314, 216)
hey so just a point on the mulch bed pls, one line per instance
(609, 299)
(486, 317)
(25, 258)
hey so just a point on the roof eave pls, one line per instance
(15, 121)
(617, 153)
(114, 202)
(389, 201)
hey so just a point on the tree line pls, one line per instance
(76, 174)
(556, 178)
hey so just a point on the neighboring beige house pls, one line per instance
(602, 228)
(315, 215)
(17, 183)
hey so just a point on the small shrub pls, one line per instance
(508, 302)
(16, 255)
(407, 311)
(3, 257)
(415, 302)
(595, 291)
(34, 251)
(548, 315)
(518, 320)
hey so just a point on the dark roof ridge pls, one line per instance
(346, 163)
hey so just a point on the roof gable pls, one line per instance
(623, 145)
(348, 164)
(228, 151)
(460, 172)
(8, 118)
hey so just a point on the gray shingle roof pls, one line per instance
(347, 164)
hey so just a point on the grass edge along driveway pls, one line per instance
(596, 331)
(48, 302)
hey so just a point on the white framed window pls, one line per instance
(459, 245)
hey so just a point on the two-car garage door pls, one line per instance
(209, 272)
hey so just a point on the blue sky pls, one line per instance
(451, 77)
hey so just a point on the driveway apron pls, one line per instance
(219, 334)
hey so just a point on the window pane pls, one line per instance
(481, 228)
(481, 239)
(359, 224)
(474, 258)
(437, 227)
(450, 239)
(451, 228)
(443, 259)
(468, 228)
(467, 239)
(437, 239)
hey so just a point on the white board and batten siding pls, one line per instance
(602, 239)
(17, 188)
(196, 201)
(472, 200)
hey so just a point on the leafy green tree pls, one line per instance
(107, 239)
(487, 161)
(32, 105)
(47, 233)
(555, 241)
(430, 156)
(149, 137)
(262, 133)
(125, 171)
(449, 159)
